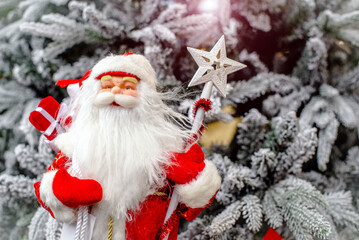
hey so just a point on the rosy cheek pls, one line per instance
(131, 92)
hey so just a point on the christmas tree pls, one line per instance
(291, 159)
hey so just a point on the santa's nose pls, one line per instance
(116, 90)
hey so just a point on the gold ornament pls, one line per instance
(220, 133)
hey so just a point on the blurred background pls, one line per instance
(285, 139)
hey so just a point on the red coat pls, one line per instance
(147, 223)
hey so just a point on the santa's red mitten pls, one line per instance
(186, 166)
(47, 199)
(74, 192)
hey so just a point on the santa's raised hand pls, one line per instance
(186, 166)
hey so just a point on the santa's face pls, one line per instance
(117, 91)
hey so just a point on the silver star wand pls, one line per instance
(214, 66)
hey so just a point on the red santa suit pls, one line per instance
(148, 221)
(196, 181)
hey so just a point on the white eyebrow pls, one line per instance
(130, 79)
(105, 78)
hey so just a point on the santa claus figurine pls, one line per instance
(128, 146)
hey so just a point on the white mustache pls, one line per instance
(106, 98)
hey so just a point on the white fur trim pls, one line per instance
(73, 90)
(66, 146)
(198, 192)
(51, 144)
(134, 64)
(61, 212)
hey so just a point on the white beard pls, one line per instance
(123, 149)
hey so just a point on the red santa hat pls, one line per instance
(128, 64)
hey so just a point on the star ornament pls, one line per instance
(214, 66)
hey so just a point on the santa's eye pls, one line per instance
(107, 86)
(129, 86)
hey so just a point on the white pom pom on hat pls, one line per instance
(129, 64)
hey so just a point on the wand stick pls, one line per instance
(214, 66)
